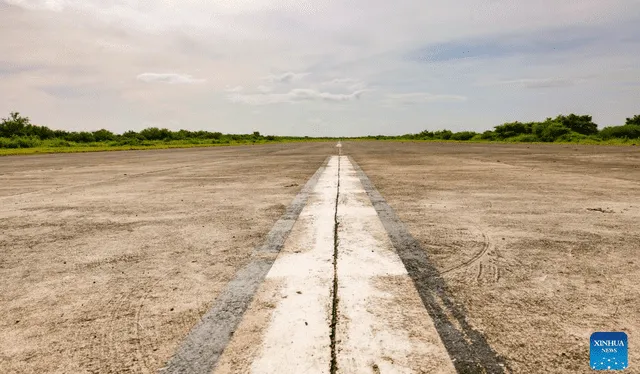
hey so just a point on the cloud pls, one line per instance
(170, 78)
(350, 83)
(52, 5)
(285, 77)
(235, 89)
(293, 96)
(264, 89)
(341, 81)
(423, 97)
(538, 83)
(13, 69)
(501, 46)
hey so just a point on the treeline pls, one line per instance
(570, 128)
(17, 131)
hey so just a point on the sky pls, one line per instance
(317, 68)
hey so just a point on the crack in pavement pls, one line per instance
(334, 311)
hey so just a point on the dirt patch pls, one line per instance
(536, 271)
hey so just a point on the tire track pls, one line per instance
(486, 245)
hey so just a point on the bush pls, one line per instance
(626, 131)
(443, 134)
(512, 129)
(424, 135)
(80, 137)
(463, 135)
(128, 141)
(549, 131)
(103, 135)
(572, 137)
(154, 133)
(20, 142)
(488, 135)
(7, 143)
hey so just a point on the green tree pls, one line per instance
(103, 135)
(14, 125)
(580, 124)
(635, 120)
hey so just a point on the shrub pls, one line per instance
(488, 135)
(103, 135)
(443, 134)
(463, 135)
(20, 142)
(7, 143)
(132, 135)
(129, 140)
(154, 133)
(424, 135)
(626, 131)
(572, 137)
(80, 137)
(549, 131)
(512, 129)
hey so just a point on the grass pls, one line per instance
(105, 147)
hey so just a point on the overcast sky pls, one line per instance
(302, 67)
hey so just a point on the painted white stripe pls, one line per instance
(287, 327)
(383, 326)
